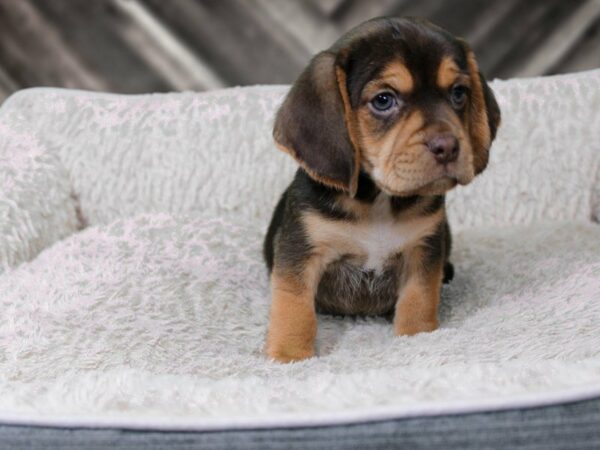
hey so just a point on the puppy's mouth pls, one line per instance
(444, 178)
(437, 186)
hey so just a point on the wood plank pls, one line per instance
(26, 37)
(488, 20)
(230, 37)
(156, 45)
(326, 7)
(468, 19)
(584, 55)
(505, 38)
(302, 22)
(532, 41)
(163, 51)
(560, 42)
(92, 30)
(272, 31)
(7, 85)
(416, 8)
(354, 12)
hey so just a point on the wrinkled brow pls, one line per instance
(394, 76)
(449, 73)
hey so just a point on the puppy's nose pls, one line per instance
(444, 148)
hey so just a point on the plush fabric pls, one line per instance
(132, 287)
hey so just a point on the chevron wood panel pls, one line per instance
(135, 46)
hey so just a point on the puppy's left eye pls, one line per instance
(458, 96)
(383, 102)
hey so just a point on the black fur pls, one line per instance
(345, 287)
(313, 126)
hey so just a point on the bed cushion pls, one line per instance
(132, 289)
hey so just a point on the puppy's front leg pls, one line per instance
(418, 299)
(293, 320)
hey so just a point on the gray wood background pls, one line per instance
(135, 46)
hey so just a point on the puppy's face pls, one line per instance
(398, 98)
(414, 103)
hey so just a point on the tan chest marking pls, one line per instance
(373, 238)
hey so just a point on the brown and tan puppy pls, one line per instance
(382, 124)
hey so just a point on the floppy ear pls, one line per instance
(316, 125)
(484, 115)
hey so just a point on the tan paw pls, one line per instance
(412, 327)
(286, 354)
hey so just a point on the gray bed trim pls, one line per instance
(565, 426)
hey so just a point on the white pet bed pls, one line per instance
(133, 294)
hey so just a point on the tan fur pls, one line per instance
(399, 160)
(293, 323)
(416, 309)
(396, 149)
(449, 74)
(478, 126)
(333, 238)
(395, 75)
(388, 153)
(293, 320)
(357, 209)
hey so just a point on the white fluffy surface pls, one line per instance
(132, 286)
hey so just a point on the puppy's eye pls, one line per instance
(383, 102)
(458, 96)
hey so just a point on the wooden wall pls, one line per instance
(135, 46)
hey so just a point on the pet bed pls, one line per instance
(133, 295)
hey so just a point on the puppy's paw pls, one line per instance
(287, 354)
(412, 327)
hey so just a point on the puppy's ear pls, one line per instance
(316, 125)
(484, 114)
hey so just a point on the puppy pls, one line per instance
(382, 124)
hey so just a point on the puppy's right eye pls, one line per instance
(383, 102)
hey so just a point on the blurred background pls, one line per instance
(135, 46)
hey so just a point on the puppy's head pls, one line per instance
(398, 98)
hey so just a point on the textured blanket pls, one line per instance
(132, 291)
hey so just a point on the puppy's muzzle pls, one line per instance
(444, 148)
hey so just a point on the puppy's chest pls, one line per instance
(370, 241)
(378, 237)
